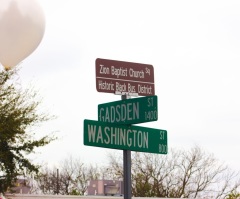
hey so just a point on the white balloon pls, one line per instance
(22, 26)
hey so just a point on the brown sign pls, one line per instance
(121, 77)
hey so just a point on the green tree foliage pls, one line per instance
(233, 195)
(18, 114)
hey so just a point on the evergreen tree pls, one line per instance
(18, 113)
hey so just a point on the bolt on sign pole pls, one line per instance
(127, 169)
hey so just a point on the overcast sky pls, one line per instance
(194, 47)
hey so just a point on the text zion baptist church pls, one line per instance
(121, 86)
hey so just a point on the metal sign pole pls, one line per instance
(127, 169)
(127, 174)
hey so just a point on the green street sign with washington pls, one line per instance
(125, 137)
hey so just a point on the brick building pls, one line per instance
(105, 187)
(22, 186)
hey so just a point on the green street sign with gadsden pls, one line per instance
(129, 111)
(125, 137)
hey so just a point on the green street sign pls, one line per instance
(125, 137)
(129, 111)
